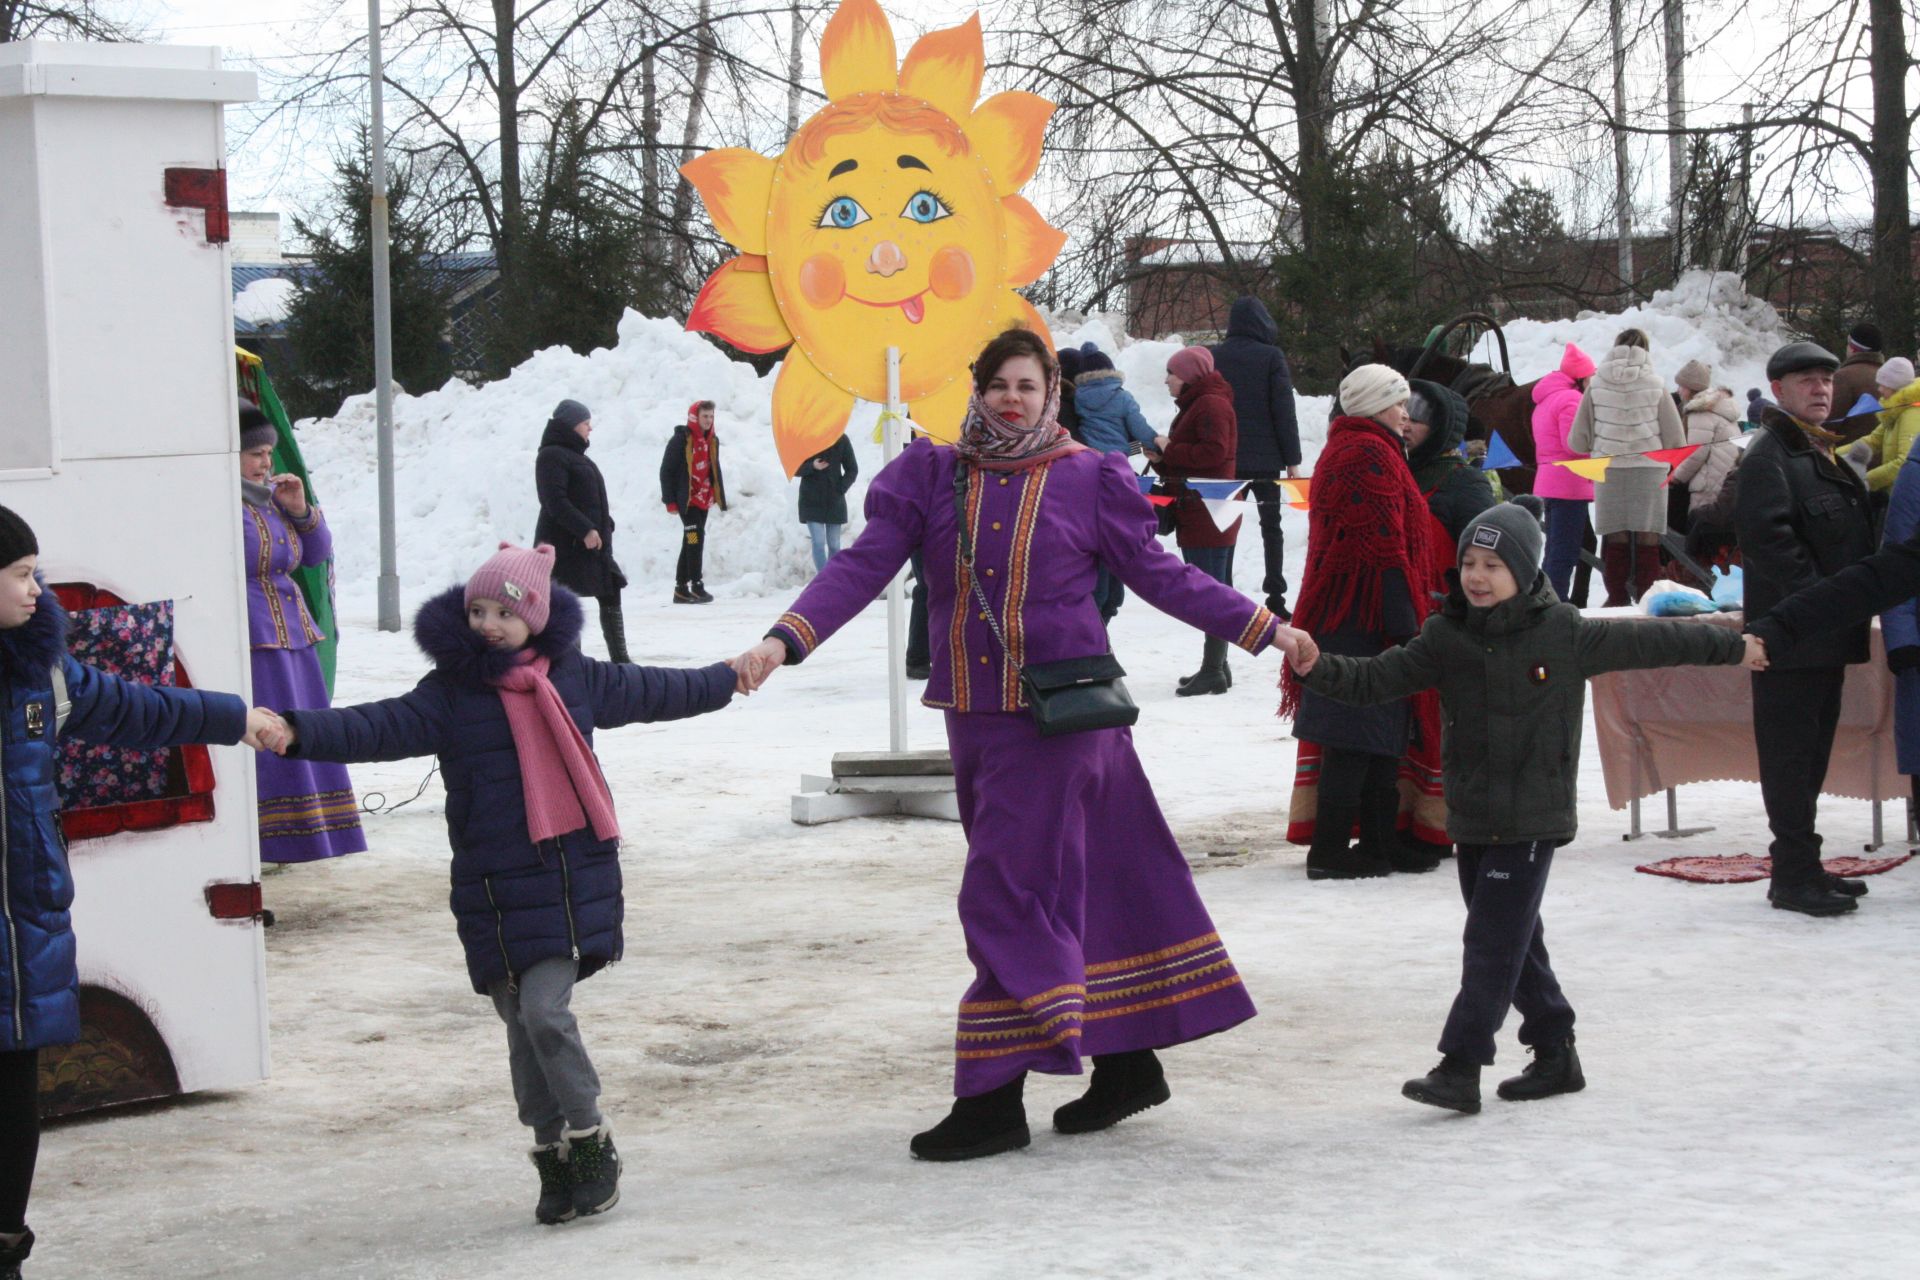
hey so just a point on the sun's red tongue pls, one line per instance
(915, 309)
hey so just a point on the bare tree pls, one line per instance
(64, 20)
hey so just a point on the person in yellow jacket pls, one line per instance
(1899, 422)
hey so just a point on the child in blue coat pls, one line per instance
(510, 709)
(39, 979)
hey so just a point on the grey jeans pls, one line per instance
(553, 1080)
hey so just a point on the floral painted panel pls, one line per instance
(135, 642)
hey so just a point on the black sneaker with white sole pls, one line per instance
(593, 1167)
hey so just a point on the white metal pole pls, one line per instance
(1676, 139)
(389, 585)
(893, 441)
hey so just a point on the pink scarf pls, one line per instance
(558, 773)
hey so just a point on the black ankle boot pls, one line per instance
(983, 1125)
(1123, 1084)
(1380, 840)
(12, 1256)
(1555, 1069)
(1212, 676)
(1331, 856)
(1454, 1084)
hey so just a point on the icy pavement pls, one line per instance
(782, 1022)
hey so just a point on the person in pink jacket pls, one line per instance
(1556, 398)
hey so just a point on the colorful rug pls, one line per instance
(1744, 868)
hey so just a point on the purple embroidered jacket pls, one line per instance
(1039, 538)
(277, 616)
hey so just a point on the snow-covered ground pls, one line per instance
(782, 1021)
(783, 1018)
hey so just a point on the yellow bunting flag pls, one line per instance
(1296, 493)
(1594, 469)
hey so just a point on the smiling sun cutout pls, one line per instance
(892, 219)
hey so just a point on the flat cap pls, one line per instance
(1796, 356)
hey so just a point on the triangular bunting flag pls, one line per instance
(1672, 457)
(1225, 513)
(1865, 404)
(1499, 455)
(1594, 469)
(1297, 491)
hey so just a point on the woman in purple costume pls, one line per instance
(307, 808)
(1085, 930)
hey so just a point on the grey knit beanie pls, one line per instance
(1514, 534)
(570, 414)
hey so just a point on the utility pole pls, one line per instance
(1676, 133)
(1622, 204)
(793, 71)
(389, 585)
(1746, 190)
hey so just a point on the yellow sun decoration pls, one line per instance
(892, 219)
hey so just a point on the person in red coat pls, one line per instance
(1202, 443)
(1371, 573)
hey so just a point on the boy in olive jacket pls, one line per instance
(1511, 666)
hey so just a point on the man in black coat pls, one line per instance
(1800, 514)
(1269, 443)
(576, 519)
(691, 485)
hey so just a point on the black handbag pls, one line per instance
(1073, 695)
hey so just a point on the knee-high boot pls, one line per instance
(1646, 569)
(1616, 560)
(613, 625)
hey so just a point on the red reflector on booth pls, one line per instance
(240, 901)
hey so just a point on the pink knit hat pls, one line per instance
(519, 579)
(1190, 363)
(1576, 363)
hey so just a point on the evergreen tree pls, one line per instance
(330, 322)
(1524, 228)
(1385, 265)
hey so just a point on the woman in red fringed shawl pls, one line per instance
(1369, 584)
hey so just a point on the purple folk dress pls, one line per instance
(1081, 918)
(307, 807)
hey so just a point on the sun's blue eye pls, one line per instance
(924, 206)
(843, 213)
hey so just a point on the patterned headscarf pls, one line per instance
(989, 441)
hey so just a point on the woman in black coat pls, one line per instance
(577, 520)
(824, 481)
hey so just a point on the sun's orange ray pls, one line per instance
(1032, 244)
(946, 67)
(1006, 133)
(940, 413)
(856, 51)
(809, 412)
(736, 184)
(737, 305)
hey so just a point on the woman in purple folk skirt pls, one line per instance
(307, 808)
(1086, 933)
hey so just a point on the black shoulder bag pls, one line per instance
(1070, 696)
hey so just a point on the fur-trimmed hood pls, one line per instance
(458, 652)
(1718, 401)
(38, 643)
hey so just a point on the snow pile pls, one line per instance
(1706, 316)
(265, 302)
(464, 455)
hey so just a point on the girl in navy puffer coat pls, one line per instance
(536, 870)
(39, 979)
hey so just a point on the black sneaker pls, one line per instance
(983, 1125)
(683, 596)
(1555, 1069)
(13, 1255)
(699, 593)
(593, 1167)
(1810, 899)
(1454, 1084)
(1124, 1084)
(1842, 885)
(556, 1185)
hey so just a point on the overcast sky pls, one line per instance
(269, 174)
